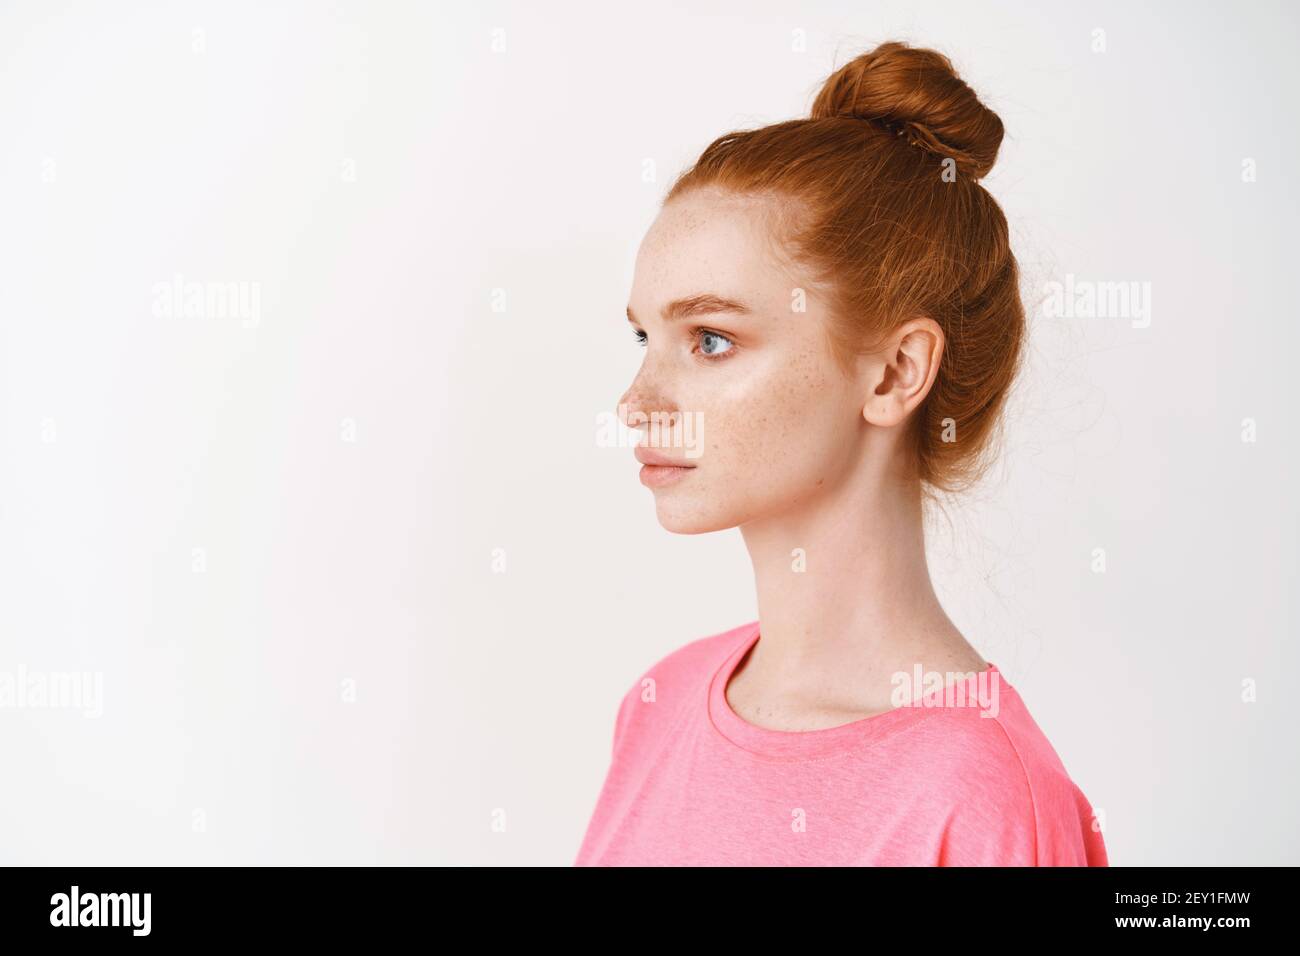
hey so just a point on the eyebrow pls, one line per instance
(704, 303)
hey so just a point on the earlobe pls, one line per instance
(884, 411)
(884, 406)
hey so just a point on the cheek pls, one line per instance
(784, 420)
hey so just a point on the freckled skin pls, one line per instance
(780, 420)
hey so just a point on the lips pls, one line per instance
(648, 457)
(659, 470)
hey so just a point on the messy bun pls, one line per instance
(878, 204)
(917, 95)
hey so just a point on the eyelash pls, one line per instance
(695, 334)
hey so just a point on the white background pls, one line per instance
(378, 171)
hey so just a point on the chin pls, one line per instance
(691, 517)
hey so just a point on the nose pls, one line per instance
(642, 406)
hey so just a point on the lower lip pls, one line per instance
(657, 476)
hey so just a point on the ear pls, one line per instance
(901, 374)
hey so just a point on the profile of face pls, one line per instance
(777, 423)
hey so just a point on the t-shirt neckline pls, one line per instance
(801, 744)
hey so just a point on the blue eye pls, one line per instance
(709, 343)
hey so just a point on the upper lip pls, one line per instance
(648, 457)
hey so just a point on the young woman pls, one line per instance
(830, 306)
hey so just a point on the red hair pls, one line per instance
(878, 201)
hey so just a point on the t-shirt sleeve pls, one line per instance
(1069, 832)
(1011, 814)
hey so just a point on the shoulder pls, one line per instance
(680, 676)
(976, 754)
(1011, 798)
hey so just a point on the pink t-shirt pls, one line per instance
(691, 783)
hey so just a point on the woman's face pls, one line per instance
(753, 401)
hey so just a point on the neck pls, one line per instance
(862, 608)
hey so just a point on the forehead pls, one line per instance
(709, 241)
